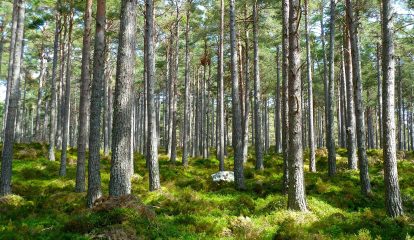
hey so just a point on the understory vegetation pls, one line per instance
(191, 206)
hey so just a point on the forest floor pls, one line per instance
(191, 206)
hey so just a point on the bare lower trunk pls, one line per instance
(152, 143)
(84, 97)
(7, 153)
(296, 194)
(359, 109)
(330, 139)
(350, 124)
(120, 178)
(392, 190)
(312, 161)
(53, 95)
(285, 107)
(237, 127)
(66, 103)
(94, 175)
(257, 95)
(186, 130)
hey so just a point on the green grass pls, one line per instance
(191, 206)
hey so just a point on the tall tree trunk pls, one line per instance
(66, 105)
(94, 176)
(359, 109)
(330, 138)
(312, 161)
(393, 201)
(237, 127)
(53, 95)
(40, 92)
(278, 135)
(12, 46)
(186, 133)
(257, 95)
(84, 97)
(285, 106)
(120, 178)
(247, 91)
(7, 153)
(296, 194)
(350, 124)
(220, 118)
(379, 93)
(152, 146)
(399, 103)
(174, 86)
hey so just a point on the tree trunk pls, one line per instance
(12, 45)
(84, 97)
(393, 201)
(120, 178)
(220, 119)
(40, 92)
(152, 146)
(278, 135)
(94, 176)
(237, 127)
(257, 95)
(247, 90)
(350, 124)
(359, 109)
(312, 161)
(7, 153)
(285, 106)
(296, 194)
(186, 133)
(379, 94)
(330, 138)
(53, 96)
(66, 105)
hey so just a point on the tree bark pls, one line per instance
(53, 95)
(285, 106)
(120, 177)
(257, 94)
(278, 135)
(7, 153)
(237, 127)
(330, 138)
(296, 194)
(94, 176)
(393, 201)
(84, 97)
(186, 133)
(152, 143)
(359, 109)
(66, 103)
(220, 118)
(312, 161)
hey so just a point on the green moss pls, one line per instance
(191, 206)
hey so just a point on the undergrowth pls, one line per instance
(191, 206)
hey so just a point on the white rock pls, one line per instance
(225, 176)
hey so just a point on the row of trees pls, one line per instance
(145, 113)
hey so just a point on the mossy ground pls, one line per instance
(191, 206)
